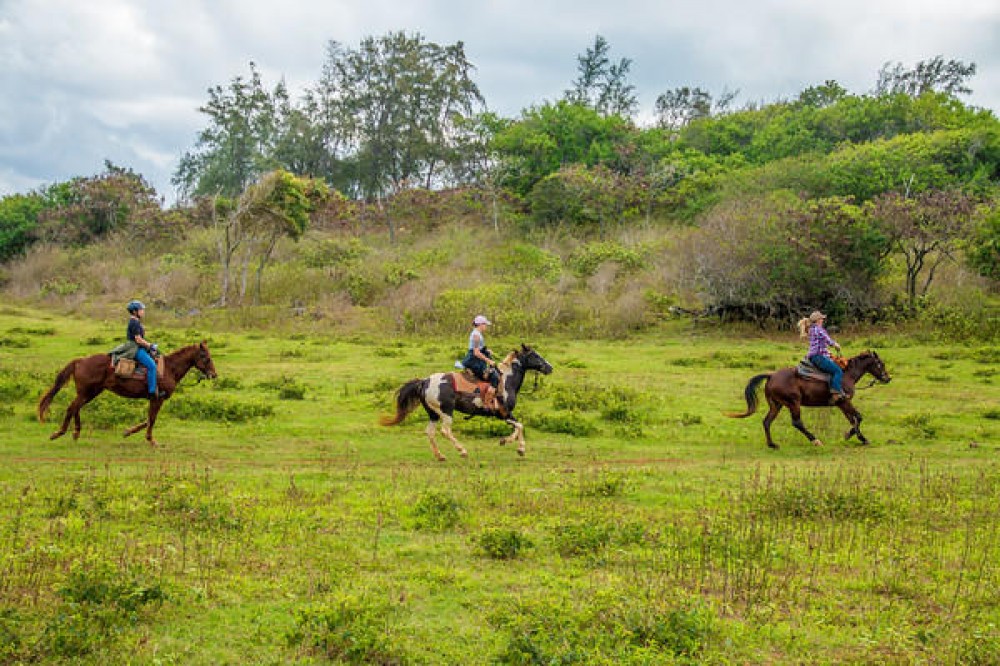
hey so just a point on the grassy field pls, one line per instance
(279, 523)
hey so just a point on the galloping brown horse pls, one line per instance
(94, 374)
(785, 388)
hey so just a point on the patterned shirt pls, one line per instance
(819, 340)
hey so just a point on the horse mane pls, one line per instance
(508, 359)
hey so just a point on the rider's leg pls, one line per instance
(143, 357)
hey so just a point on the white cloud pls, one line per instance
(122, 79)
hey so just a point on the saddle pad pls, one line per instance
(807, 370)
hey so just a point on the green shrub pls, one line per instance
(920, 425)
(435, 510)
(101, 584)
(331, 252)
(350, 629)
(825, 501)
(196, 408)
(11, 639)
(603, 484)
(569, 423)
(585, 261)
(502, 544)
(582, 538)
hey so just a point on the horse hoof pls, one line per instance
(152, 442)
(817, 442)
(772, 445)
(464, 454)
(848, 434)
(56, 435)
(503, 441)
(520, 452)
(76, 435)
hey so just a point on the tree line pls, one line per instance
(827, 191)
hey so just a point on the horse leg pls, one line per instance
(72, 413)
(772, 414)
(136, 428)
(431, 430)
(154, 409)
(854, 418)
(504, 441)
(796, 413)
(519, 431)
(446, 430)
(87, 397)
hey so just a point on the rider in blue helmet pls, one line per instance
(147, 350)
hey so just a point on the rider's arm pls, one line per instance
(478, 353)
(142, 342)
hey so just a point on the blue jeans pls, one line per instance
(142, 356)
(826, 364)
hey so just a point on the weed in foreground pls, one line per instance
(351, 629)
(503, 544)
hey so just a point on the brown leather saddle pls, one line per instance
(467, 382)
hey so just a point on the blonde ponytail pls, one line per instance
(804, 327)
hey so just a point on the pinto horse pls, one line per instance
(440, 395)
(785, 388)
(94, 374)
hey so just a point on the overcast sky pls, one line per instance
(87, 80)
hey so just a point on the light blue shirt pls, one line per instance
(476, 340)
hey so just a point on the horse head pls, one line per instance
(532, 360)
(203, 361)
(870, 362)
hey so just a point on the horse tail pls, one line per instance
(61, 379)
(751, 395)
(407, 398)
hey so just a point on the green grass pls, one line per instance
(278, 523)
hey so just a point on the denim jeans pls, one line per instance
(826, 364)
(142, 356)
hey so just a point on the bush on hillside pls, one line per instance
(776, 257)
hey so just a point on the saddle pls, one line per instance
(467, 382)
(127, 368)
(806, 370)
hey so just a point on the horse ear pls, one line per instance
(204, 344)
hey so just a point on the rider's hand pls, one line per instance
(153, 348)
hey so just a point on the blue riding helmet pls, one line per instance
(135, 306)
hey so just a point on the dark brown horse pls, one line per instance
(441, 397)
(94, 374)
(785, 388)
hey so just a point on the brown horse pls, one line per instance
(94, 374)
(785, 388)
(441, 398)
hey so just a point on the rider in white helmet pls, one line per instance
(479, 358)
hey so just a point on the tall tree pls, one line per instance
(236, 147)
(399, 100)
(678, 107)
(926, 229)
(934, 75)
(249, 227)
(603, 85)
